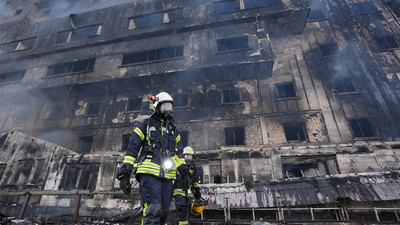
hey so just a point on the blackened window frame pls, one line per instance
(332, 47)
(231, 96)
(318, 14)
(125, 142)
(366, 7)
(184, 138)
(130, 103)
(298, 127)
(357, 126)
(384, 40)
(279, 91)
(181, 100)
(234, 6)
(345, 86)
(150, 17)
(74, 34)
(231, 133)
(84, 144)
(96, 106)
(69, 68)
(152, 56)
(226, 42)
(12, 77)
(274, 3)
(28, 43)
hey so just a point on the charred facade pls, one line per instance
(270, 94)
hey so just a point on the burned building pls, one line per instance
(292, 106)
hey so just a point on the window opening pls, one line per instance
(200, 174)
(93, 109)
(309, 166)
(387, 42)
(364, 7)
(134, 104)
(17, 46)
(223, 7)
(12, 77)
(230, 44)
(217, 179)
(362, 128)
(181, 100)
(153, 55)
(249, 4)
(316, 14)
(78, 34)
(125, 142)
(38, 171)
(80, 176)
(85, 144)
(345, 85)
(231, 96)
(295, 132)
(184, 138)
(71, 67)
(329, 49)
(286, 90)
(155, 19)
(18, 12)
(234, 136)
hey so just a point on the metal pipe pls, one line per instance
(76, 210)
(59, 192)
(376, 215)
(25, 205)
(312, 213)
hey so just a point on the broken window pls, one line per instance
(71, 67)
(387, 42)
(286, 90)
(125, 142)
(234, 136)
(184, 138)
(93, 109)
(17, 45)
(231, 96)
(309, 166)
(229, 6)
(230, 44)
(362, 128)
(364, 7)
(345, 85)
(134, 104)
(249, 4)
(80, 176)
(329, 49)
(200, 174)
(155, 19)
(78, 34)
(153, 55)
(85, 144)
(23, 171)
(295, 132)
(316, 15)
(217, 179)
(12, 77)
(18, 12)
(181, 99)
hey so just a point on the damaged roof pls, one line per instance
(307, 191)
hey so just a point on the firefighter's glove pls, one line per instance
(196, 193)
(123, 176)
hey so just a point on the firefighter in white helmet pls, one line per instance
(183, 192)
(161, 156)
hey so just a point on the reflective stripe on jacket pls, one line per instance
(149, 161)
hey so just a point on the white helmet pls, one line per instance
(188, 150)
(161, 98)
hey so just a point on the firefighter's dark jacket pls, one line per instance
(147, 135)
(179, 188)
